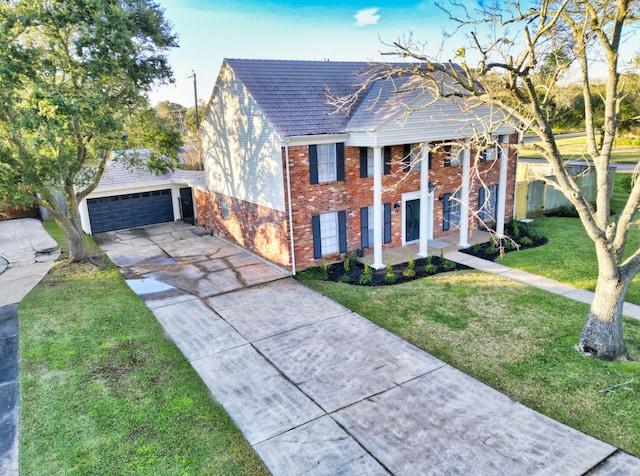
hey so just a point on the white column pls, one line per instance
(431, 208)
(502, 192)
(423, 251)
(377, 208)
(464, 198)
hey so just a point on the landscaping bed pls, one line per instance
(518, 236)
(353, 272)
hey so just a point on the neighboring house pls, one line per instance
(295, 181)
(133, 196)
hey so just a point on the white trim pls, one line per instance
(377, 208)
(293, 249)
(406, 197)
(464, 199)
(313, 140)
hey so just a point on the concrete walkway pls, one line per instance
(317, 389)
(27, 253)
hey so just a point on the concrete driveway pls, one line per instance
(184, 257)
(317, 389)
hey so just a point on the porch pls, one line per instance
(444, 244)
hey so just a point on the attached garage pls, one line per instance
(127, 197)
(129, 210)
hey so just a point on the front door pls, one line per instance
(186, 203)
(412, 220)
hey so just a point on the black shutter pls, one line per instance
(363, 162)
(387, 223)
(429, 160)
(387, 160)
(313, 163)
(447, 155)
(406, 158)
(446, 211)
(481, 199)
(340, 161)
(364, 227)
(342, 231)
(317, 240)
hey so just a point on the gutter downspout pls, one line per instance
(293, 254)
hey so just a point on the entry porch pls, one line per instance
(444, 244)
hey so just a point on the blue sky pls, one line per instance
(210, 30)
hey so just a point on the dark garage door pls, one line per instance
(132, 209)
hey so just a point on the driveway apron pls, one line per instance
(27, 253)
(317, 389)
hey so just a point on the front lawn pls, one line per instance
(516, 338)
(569, 256)
(104, 391)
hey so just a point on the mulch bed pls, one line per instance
(396, 275)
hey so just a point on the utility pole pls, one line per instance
(195, 94)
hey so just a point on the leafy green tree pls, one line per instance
(74, 73)
(502, 67)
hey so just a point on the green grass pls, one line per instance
(574, 148)
(104, 391)
(570, 256)
(517, 339)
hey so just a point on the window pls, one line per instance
(326, 162)
(411, 157)
(386, 153)
(451, 211)
(488, 154)
(366, 161)
(447, 155)
(488, 203)
(366, 225)
(224, 207)
(329, 233)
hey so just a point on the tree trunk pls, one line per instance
(78, 250)
(601, 334)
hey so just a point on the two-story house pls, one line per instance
(296, 180)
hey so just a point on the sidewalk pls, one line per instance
(630, 310)
(27, 253)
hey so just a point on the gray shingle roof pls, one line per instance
(293, 94)
(120, 176)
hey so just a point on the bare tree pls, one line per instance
(512, 62)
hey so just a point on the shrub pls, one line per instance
(448, 265)
(346, 265)
(430, 267)
(410, 272)
(325, 268)
(367, 275)
(345, 278)
(389, 276)
(526, 241)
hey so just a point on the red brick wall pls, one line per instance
(355, 193)
(265, 231)
(259, 229)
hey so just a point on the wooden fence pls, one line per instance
(536, 197)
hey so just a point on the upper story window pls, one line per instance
(411, 157)
(366, 161)
(326, 162)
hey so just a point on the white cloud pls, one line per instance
(367, 17)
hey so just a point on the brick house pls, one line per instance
(294, 180)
